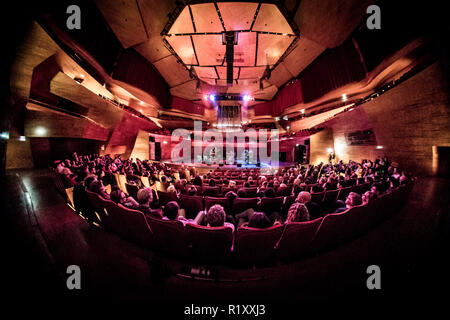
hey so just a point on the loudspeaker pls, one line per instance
(300, 154)
(307, 142)
(158, 151)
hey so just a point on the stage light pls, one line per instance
(302, 111)
(277, 118)
(40, 131)
(141, 102)
(4, 135)
(22, 138)
(288, 127)
(379, 147)
(329, 150)
(212, 97)
(164, 142)
(205, 97)
(246, 97)
(285, 118)
(344, 97)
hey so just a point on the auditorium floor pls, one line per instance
(43, 236)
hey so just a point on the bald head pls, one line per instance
(303, 197)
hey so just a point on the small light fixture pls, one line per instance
(379, 147)
(329, 150)
(4, 135)
(22, 138)
(40, 131)
(344, 97)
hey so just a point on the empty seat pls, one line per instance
(338, 227)
(191, 204)
(256, 246)
(296, 239)
(242, 204)
(224, 202)
(168, 236)
(209, 244)
(270, 205)
(134, 225)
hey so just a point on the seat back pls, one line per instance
(343, 193)
(164, 197)
(132, 190)
(256, 246)
(191, 204)
(250, 192)
(242, 204)
(168, 236)
(270, 205)
(296, 239)
(317, 197)
(95, 201)
(224, 202)
(330, 196)
(113, 219)
(336, 228)
(135, 226)
(288, 201)
(209, 244)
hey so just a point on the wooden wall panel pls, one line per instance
(141, 146)
(319, 143)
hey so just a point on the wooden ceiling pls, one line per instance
(199, 27)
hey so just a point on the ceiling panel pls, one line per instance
(172, 71)
(187, 90)
(304, 52)
(280, 75)
(223, 72)
(237, 17)
(271, 48)
(270, 19)
(206, 18)
(125, 21)
(206, 72)
(183, 47)
(330, 22)
(154, 14)
(153, 49)
(209, 49)
(183, 24)
(245, 50)
(251, 72)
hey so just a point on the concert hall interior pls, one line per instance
(214, 150)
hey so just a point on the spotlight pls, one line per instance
(40, 131)
(379, 147)
(212, 97)
(329, 150)
(205, 97)
(246, 97)
(141, 102)
(4, 135)
(344, 97)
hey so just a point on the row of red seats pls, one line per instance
(247, 246)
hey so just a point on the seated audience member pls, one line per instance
(269, 193)
(119, 197)
(144, 197)
(316, 189)
(394, 184)
(215, 217)
(88, 180)
(313, 208)
(377, 188)
(242, 193)
(97, 187)
(282, 190)
(353, 200)
(298, 212)
(259, 220)
(172, 211)
(232, 184)
(192, 191)
(172, 189)
(368, 197)
(197, 181)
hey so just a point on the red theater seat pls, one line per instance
(317, 197)
(96, 202)
(224, 202)
(135, 227)
(168, 236)
(338, 227)
(132, 190)
(165, 197)
(209, 244)
(343, 193)
(242, 204)
(330, 196)
(256, 246)
(270, 205)
(192, 204)
(297, 238)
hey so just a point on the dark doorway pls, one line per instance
(443, 169)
